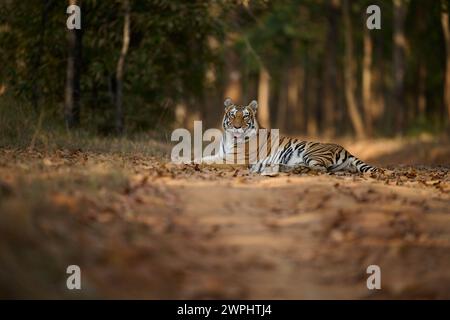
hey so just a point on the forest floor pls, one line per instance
(141, 227)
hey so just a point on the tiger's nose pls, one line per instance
(237, 123)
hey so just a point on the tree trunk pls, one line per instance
(120, 68)
(349, 75)
(311, 126)
(446, 31)
(294, 101)
(263, 98)
(73, 72)
(378, 94)
(399, 48)
(35, 90)
(330, 70)
(282, 102)
(233, 88)
(367, 81)
(421, 91)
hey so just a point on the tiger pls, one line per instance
(240, 126)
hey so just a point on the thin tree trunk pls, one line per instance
(378, 83)
(296, 99)
(46, 4)
(330, 70)
(294, 103)
(263, 98)
(341, 123)
(73, 72)
(282, 102)
(367, 81)
(120, 68)
(233, 88)
(210, 103)
(446, 31)
(311, 95)
(399, 48)
(349, 75)
(378, 103)
(421, 92)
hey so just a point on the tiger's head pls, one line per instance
(240, 121)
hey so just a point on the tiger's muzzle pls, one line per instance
(239, 122)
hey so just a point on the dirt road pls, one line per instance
(313, 237)
(142, 228)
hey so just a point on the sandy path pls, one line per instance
(142, 228)
(313, 237)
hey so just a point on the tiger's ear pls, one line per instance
(228, 102)
(254, 105)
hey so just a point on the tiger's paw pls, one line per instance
(271, 171)
(338, 173)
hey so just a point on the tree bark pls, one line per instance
(311, 95)
(330, 70)
(233, 88)
(72, 88)
(263, 98)
(421, 90)
(294, 97)
(379, 91)
(367, 81)
(349, 75)
(399, 49)
(446, 31)
(282, 101)
(120, 68)
(35, 93)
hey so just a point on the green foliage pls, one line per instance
(167, 57)
(176, 44)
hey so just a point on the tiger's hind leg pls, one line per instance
(340, 169)
(341, 164)
(353, 165)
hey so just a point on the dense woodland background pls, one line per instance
(150, 66)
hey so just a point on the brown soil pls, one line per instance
(140, 227)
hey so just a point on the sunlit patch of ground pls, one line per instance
(140, 227)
